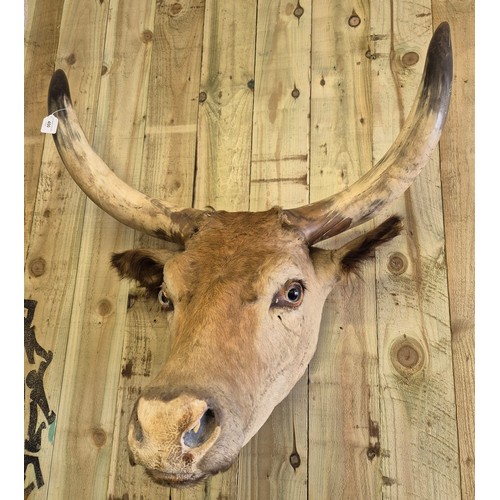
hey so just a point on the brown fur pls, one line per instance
(231, 348)
(142, 265)
(362, 249)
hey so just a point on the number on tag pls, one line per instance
(49, 125)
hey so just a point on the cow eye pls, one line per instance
(294, 293)
(289, 295)
(165, 302)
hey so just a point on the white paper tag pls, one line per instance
(49, 125)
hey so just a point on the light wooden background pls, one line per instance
(244, 105)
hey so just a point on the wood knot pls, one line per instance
(202, 97)
(397, 263)
(175, 9)
(37, 267)
(99, 437)
(410, 59)
(295, 460)
(298, 12)
(370, 55)
(104, 307)
(295, 92)
(407, 355)
(147, 36)
(354, 21)
(71, 59)
(373, 451)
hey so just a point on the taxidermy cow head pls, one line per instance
(245, 290)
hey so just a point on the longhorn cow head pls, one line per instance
(246, 289)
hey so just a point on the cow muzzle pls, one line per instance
(171, 438)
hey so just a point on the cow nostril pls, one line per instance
(200, 433)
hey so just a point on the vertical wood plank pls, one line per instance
(226, 106)
(344, 399)
(280, 169)
(85, 426)
(54, 245)
(225, 132)
(280, 161)
(40, 47)
(457, 175)
(168, 172)
(418, 425)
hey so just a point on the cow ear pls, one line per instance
(352, 255)
(332, 265)
(144, 265)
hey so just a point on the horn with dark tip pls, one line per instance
(123, 202)
(360, 202)
(394, 173)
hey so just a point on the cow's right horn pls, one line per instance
(123, 202)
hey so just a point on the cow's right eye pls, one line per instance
(165, 301)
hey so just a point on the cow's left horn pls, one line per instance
(394, 173)
(123, 202)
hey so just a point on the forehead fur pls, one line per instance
(238, 247)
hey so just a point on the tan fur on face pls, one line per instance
(222, 286)
(233, 350)
(230, 344)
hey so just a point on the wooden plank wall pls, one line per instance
(244, 105)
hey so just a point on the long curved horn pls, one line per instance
(126, 204)
(394, 173)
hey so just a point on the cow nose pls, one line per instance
(171, 437)
(201, 432)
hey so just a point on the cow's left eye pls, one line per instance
(165, 302)
(290, 295)
(294, 293)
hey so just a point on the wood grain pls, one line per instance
(226, 106)
(418, 424)
(54, 242)
(345, 365)
(40, 46)
(458, 182)
(281, 128)
(85, 427)
(248, 105)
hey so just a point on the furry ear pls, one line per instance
(353, 254)
(144, 265)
